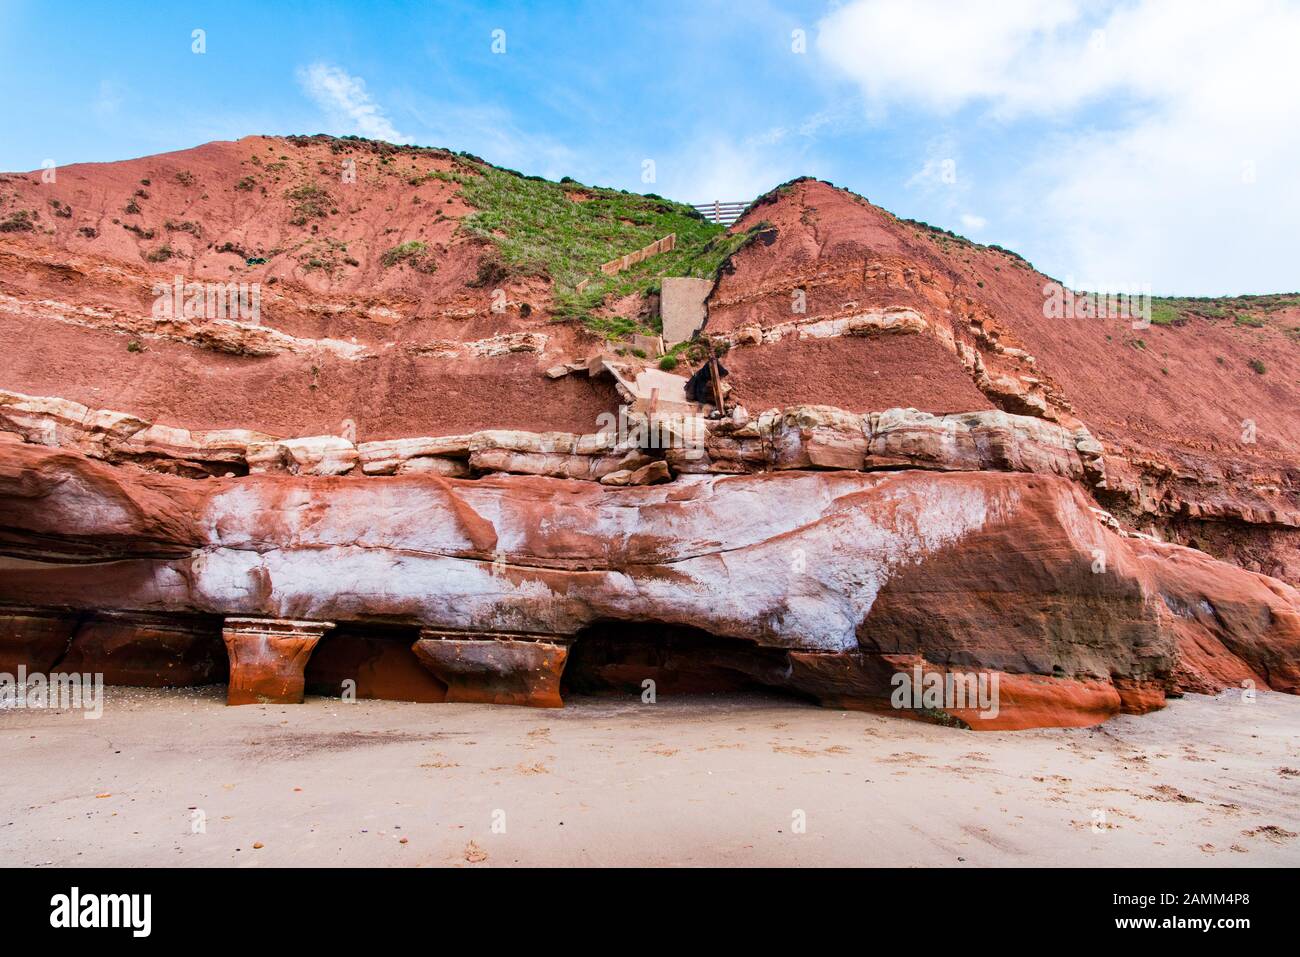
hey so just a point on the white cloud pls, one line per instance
(833, 119)
(1189, 92)
(972, 222)
(346, 101)
(937, 52)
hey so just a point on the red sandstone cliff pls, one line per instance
(385, 452)
(1197, 444)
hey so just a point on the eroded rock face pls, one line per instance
(823, 548)
(219, 335)
(898, 320)
(350, 665)
(646, 448)
(1197, 450)
(843, 575)
(33, 639)
(118, 437)
(151, 651)
(824, 437)
(213, 452)
(789, 560)
(391, 456)
(1234, 628)
(495, 669)
(590, 468)
(317, 455)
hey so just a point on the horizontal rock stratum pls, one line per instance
(825, 583)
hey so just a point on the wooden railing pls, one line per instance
(616, 266)
(664, 245)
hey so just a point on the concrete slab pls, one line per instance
(681, 304)
(662, 390)
(647, 389)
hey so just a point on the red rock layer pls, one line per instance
(824, 583)
(85, 281)
(147, 651)
(856, 374)
(834, 581)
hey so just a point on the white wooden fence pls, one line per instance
(723, 213)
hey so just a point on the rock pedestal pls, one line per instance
(495, 669)
(267, 658)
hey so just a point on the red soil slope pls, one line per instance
(324, 279)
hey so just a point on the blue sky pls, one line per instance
(1111, 143)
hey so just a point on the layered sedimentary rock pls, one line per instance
(823, 582)
(936, 476)
(1197, 417)
(1233, 627)
(624, 453)
(823, 437)
(897, 320)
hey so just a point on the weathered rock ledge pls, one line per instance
(799, 437)
(825, 583)
(643, 448)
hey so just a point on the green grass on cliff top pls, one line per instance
(1249, 311)
(565, 231)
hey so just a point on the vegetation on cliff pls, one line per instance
(565, 231)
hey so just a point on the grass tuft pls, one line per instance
(310, 201)
(414, 254)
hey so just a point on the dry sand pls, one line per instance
(714, 780)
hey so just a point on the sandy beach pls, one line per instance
(177, 778)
